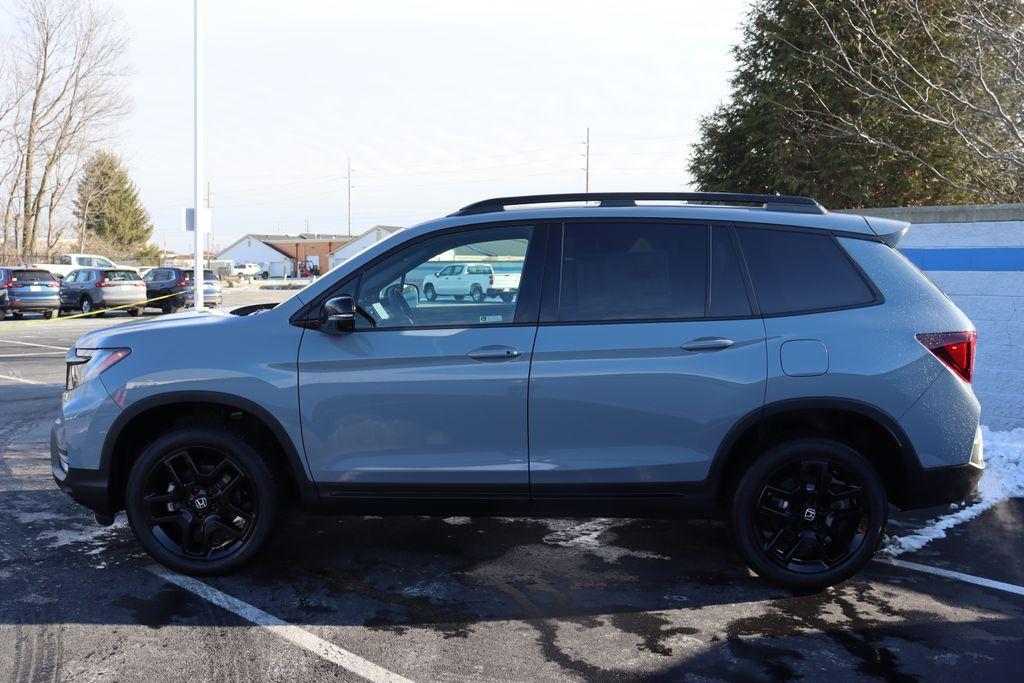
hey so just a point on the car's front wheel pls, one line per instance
(809, 513)
(201, 501)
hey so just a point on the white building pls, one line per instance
(360, 242)
(257, 249)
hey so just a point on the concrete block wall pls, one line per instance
(976, 255)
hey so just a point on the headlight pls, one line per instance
(84, 364)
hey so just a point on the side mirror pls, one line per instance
(339, 316)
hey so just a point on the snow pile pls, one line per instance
(1003, 479)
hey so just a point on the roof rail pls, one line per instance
(769, 202)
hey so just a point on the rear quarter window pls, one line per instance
(795, 272)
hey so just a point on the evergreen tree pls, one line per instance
(108, 204)
(764, 140)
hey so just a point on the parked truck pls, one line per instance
(69, 262)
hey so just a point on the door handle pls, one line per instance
(707, 344)
(492, 353)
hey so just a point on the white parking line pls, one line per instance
(280, 628)
(42, 346)
(20, 379)
(52, 354)
(956, 576)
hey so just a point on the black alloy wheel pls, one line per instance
(809, 513)
(201, 501)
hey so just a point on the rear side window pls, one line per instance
(800, 271)
(633, 271)
(727, 296)
(207, 275)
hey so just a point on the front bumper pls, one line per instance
(90, 488)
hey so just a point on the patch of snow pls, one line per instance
(587, 536)
(92, 535)
(457, 520)
(1003, 479)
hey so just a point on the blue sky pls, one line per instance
(437, 103)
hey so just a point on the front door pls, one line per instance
(424, 399)
(649, 355)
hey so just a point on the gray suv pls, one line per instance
(754, 357)
(93, 290)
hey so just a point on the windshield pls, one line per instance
(207, 275)
(121, 275)
(31, 276)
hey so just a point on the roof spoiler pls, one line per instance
(888, 230)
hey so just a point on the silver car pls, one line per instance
(93, 290)
(753, 357)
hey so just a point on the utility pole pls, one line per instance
(198, 160)
(348, 177)
(209, 205)
(586, 169)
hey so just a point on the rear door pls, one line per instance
(647, 353)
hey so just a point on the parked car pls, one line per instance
(478, 281)
(177, 287)
(25, 290)
(69, 262)
(248, 270)
(748, 356)
(91, 290)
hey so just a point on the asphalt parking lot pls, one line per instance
(467, 599)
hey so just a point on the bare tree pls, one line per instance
(66, 79)
(957, 66)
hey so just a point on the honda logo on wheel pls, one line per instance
(200, 503)
(810, 514)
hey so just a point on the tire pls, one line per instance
(265, 275)
(794, 536)
(506, 297)
(477, 294)
(429, 293)
(18, 315)
(167, 309)
(85, 307)
(460, 297)
(252, 492)
(49, 314)
(135, 312)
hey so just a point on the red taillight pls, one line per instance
(490, 280)
(181, 283)
(955, 349)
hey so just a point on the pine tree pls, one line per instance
(108, 205)
(762, 140)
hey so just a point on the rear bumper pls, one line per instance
(30, 304)
(931, 486)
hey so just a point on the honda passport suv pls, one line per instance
(698, 354)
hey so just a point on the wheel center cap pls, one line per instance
(810, 514)
(200, 503)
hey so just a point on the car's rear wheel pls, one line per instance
(506, 297)
(86, 306)
(477, 294)
(202, 501)
(809, 513)
(49, 314)
(17, 315)
(429, 293)
(135, 312)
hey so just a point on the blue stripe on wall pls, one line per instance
(981, 259)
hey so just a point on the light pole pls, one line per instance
(199, 212)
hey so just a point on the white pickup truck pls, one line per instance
(69, 262)
(478, 281)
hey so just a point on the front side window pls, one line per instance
(406, 290)
(633, 271)
(65, 260)
(795, 271)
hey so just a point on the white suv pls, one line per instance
(475, 280)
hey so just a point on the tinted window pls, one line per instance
(31, 276)
(629, 271)
(104, 263)
(391, 293)
(207, 275)
(121, 275)
(801, 271)
(478, 270)
(728, 297)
